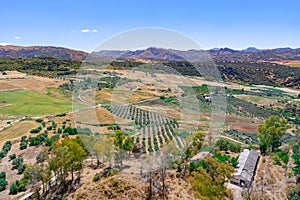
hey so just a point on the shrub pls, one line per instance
(2, 154)
(59, 130)
(96, 177)
(277, 161)
(2, 175)
(39, 120)
(7, 146)
(36, 130)
(23, 145)
(3, 184)
(65, 135)
(12, 156)
(234, 161)
(71, 131)
(18, 161)
(112, 172)
(43, 124)
(226, 145)
(14, 188)
(22, 184)
(21, 168)
(24, 138)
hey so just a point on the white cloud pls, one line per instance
(4, 44)
(89, 30)
(17, 37)
(85, 30)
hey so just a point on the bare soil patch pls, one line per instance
(246, 128)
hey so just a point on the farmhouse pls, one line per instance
(200, 156)
(246, 168)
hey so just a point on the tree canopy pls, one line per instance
(270, 133)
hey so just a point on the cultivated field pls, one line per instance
(29, 103)
(17, 130)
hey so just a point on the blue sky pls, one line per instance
(85, 24)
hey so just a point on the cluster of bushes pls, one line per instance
(248, 138)
(43, 139)
(36, 130)
(18, 186)
(18, 164)
(69, 131)
(49, 141)
(3, 181)
(38, 140)
(39, 120)
(296, 157)
(281, 156)
(233, 161)
(12, 156)
(226, 145)
(5, 149)
(245, 108)
(110, 82)
(43, 66)
(24, 141)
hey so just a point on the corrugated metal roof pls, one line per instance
(247, 163)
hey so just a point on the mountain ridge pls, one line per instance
(250, 54)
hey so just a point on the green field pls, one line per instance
(29, 103)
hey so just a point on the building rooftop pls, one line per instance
(247, 163)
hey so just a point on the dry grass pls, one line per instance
(128, 186)
(261, 101)
(33, 83)
(292, 63)
(13, 75)
(98, 116)
(275, 180)
(17, 130)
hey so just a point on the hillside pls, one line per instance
(223, 54)
(250, 54)
(41, 51)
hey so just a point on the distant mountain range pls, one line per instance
(10, 51)
(250, 54)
